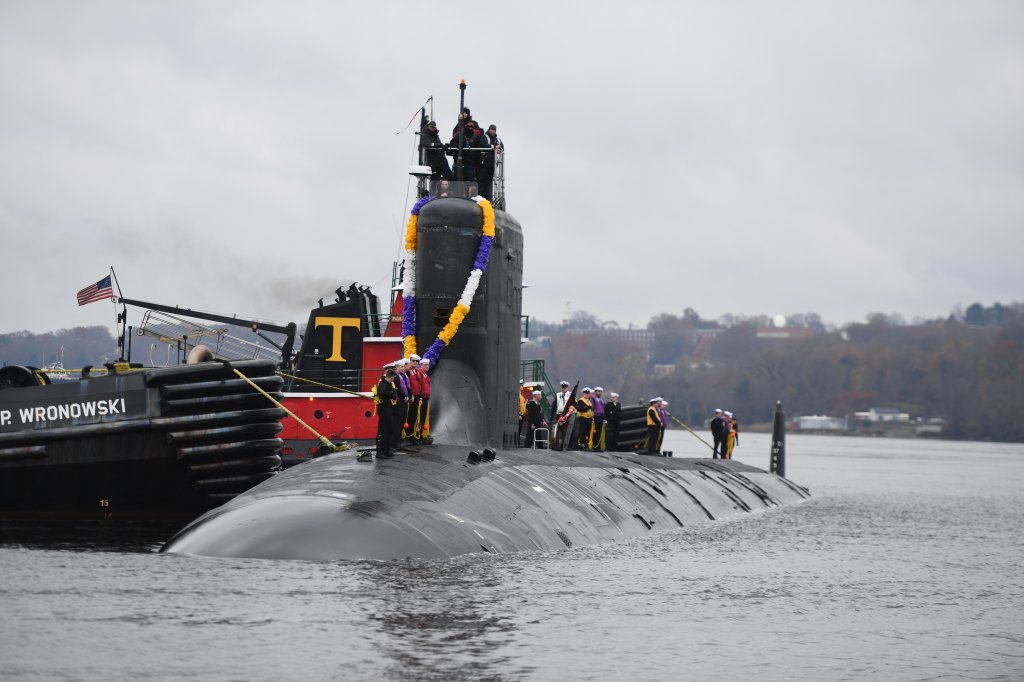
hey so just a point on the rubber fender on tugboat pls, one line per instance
(628, 443)
(199, 354)
(235, 484)
(234, 466)
(16, 376)
(632, 422)
(225, 434)
(626, 434)
(632, 412)
(224, 451)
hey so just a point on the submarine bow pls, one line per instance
(438, 506)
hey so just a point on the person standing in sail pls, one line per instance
(433, 151)
(487, 161)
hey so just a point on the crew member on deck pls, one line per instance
(663, 409)
(717, 433)
(522, 413)
(598, 419)
(387, 400)
(653, 428)
(732, 434)
(613, 415)
(534, 418)
(561, 400)
(422, 425)
(415, 375)
(404, 400)
(585, 419)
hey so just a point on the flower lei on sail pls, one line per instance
(483, 255)
(409, 279)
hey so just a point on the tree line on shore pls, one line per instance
(967, 369)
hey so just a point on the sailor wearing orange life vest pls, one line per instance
(732, 435)
(584, 418)
(522, 412)
(654, 426)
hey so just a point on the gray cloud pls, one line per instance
(841, 158)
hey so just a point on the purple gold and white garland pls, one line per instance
(483, 255)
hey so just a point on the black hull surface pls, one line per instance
(436, 505)
(177, 440)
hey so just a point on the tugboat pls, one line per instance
(127, 441)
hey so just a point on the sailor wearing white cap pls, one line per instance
(534, 417)
(717, 425)
(522, 414)
(585, 420)
(386, 397)
(404, 399)
(653, 427)
(598, 401)
(612, 415)
(732, 434)
(561, 400)
(663, 409)
(419, 410)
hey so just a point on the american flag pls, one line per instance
(96, 292)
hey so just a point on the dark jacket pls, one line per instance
(584, 408)
(473, 140)
(433, 152)
(534, 414)
(717, 428)
(487, 157)
(386, 393)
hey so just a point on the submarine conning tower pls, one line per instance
(476, 380)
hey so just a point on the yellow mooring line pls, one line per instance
(691, 431)
(317, 383)
(323, 439)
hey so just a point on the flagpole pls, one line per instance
(122, 317)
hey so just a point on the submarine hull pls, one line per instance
(434, 505)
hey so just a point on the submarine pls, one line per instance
(473, 489)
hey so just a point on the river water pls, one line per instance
(906, 564)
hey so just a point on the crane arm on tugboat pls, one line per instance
(287, 348)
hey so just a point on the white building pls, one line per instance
(821, 422)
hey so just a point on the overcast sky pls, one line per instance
(841, 158)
